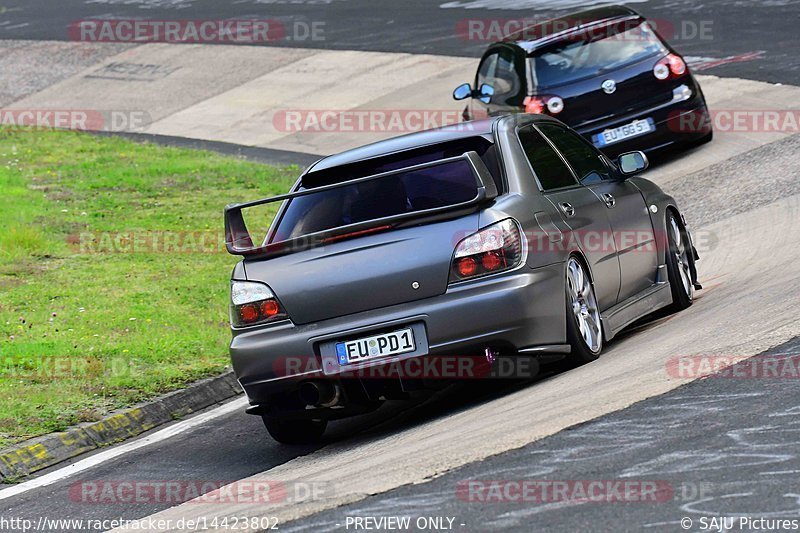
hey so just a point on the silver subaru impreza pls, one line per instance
(433, 256)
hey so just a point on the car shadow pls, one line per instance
(396, 416)
(672, 154)
(424, 407)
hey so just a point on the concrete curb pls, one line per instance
(41, 452)
(259, 154)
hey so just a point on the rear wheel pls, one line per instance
(295, 431)
(679, 266)
(584, 330)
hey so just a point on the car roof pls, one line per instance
(558, 28)
(462, 130)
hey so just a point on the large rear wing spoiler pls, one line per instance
(239, 242)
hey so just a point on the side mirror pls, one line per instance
(631, 163)
(462, 92)
(486, 93)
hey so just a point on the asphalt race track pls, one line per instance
(668, 438)
(715, 447)
(712, 29)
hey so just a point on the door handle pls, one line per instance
(567, 209)
(609, 200)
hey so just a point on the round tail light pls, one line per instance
(491, 261)
(466, 267)
(555, 105)
(661, 71)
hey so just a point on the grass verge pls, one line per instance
(113, 272)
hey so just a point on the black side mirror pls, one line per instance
(631, 163)
(462, 92)
(486, 93)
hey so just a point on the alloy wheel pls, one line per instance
(681, 253)
(584, 305)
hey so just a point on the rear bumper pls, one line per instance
(518, 310)
(676, 123)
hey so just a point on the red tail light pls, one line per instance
(492, 261)
(269, 308)
(248, 313)
(493, 249)
(253, 303)
(550, 104)
(466, 267)
(670, 66)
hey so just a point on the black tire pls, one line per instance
(295, 431)
(680, 263)
(581, 352)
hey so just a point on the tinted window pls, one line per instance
(498, 71)
(506, 79)
(486, 70)
(591, 52)
(585, 160)
(406, 192)
(548, 166)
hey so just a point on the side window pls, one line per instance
(486, 70)
(506, 78)
(584, 159)
(498, 71)
(546, 163)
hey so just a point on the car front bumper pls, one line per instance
(523, 309)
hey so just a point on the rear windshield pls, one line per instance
(407, 192)
(593, 52)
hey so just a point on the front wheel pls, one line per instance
(584, 329)
(679, 264)
(295, 431)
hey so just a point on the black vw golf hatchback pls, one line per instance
(606, 72)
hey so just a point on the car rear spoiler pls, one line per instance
(239, 242)
(582, 27)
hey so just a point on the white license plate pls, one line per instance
(634, 129)
(382, 345)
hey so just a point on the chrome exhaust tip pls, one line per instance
(490, 354)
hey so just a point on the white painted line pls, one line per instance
(102, 457)
(779, 472)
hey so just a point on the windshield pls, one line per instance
(593, 52)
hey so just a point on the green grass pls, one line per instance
(86, 326)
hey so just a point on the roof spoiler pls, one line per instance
(566, 33)
(239, 242)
